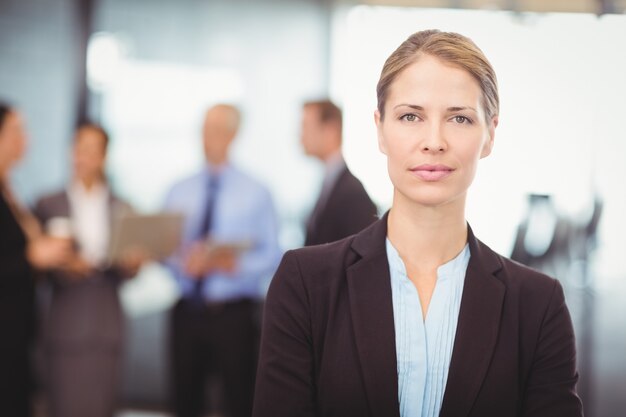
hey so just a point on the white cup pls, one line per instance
(60, 227)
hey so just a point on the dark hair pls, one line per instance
(5, 109)
(328, 111)
(98, 128)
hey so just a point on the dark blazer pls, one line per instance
(347, 210)
(328, 341)
(16, 281)
(16, 315)
(83, 313)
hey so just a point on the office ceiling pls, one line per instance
(579, 6)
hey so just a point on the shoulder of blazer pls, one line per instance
(349, 185)
(51, 205)
(511, 273)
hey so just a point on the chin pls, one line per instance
(432, 197)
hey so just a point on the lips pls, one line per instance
(431, 173)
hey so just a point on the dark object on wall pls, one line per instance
(552, 243)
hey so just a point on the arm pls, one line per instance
(174, 262)
(551, 387)
(284, 384)
(253, 267)
(261, 261)
(14, 269)
(14, 266)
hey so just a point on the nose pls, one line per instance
(433, 140)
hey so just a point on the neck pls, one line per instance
(217, 163)
(333, 158)
(5, 168)
(90, 182)
(217, 166)
(425, 235)
(331, 155)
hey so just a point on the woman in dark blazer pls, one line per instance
(83, 330)
(22, 249)
(414, 316)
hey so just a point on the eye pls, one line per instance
(409, 117)
(462, 119)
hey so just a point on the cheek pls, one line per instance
(17, 146)
(396, 164)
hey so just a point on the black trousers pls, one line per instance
(219, 338)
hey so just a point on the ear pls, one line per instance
(379, 130)
(491, 131)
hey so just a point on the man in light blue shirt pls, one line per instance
(229, 247)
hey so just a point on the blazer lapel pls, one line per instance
(372, 314)
(477, 330)
(62, 206)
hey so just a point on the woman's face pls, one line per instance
(89, 153)
(434, 132)
(12, 139)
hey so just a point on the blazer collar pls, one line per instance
(371, 307)
(116, 207)
(372, 313)
(477, 329)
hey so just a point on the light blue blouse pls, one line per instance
(424, 347)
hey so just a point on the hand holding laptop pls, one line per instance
(136, 238)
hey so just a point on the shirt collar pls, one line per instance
(220, 170)
(451, 268)
(76, 188)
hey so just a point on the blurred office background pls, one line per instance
(147, 70)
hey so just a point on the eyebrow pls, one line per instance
(412, 106)
(453, 109)
(450, 109)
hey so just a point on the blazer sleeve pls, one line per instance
(14, 267)
(551, 387)
(285, 384)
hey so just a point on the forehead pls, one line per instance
(311, 112)
(12, 119)
(88, 135)
(220, 115)
(430, 80)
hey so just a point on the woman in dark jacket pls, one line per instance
(22, 249)
(414, 316)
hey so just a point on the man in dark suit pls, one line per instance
(343, 207)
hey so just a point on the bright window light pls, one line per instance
(561, 88)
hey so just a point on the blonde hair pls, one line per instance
(449, 47)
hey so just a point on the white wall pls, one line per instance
(268, 57)
(562, 87)
(38, 76)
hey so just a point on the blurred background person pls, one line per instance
(213, 325)
(23, 248)
(83, 334)
(343, 207)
